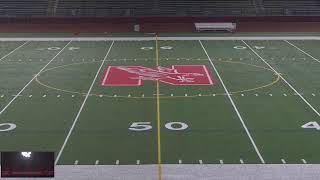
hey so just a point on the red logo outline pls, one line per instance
(176, 75)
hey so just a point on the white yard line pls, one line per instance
(33, 79)
(304, 52)
(234, 106)
(13, 50)
(83, 103)
(160, 38)
(277, 73)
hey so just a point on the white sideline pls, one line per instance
(81, 108)
(277, 73)
(159, 38)
(302, 51)
(234, 106)
(18, 94)
(187, 172)
(13, 51)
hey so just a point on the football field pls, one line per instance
(155, 101)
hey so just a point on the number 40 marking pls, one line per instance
(311, 125)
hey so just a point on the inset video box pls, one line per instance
(27, 164)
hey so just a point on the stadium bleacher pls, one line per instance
(292, 7)
(152, 8)
(98, 8)
(24, 8)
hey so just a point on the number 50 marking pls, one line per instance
(145, 126)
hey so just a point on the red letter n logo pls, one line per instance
(176, 75)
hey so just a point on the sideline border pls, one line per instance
(192, 38)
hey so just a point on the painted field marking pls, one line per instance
(138, 162)
(33, 79)
(283, 79)
(13, 51)
(76, 162)
(304, 161)
(241, 161)
(82, 106)
(117, 162)
(16, 95)
(159, 157)
(234, 106)
(304, 52)
(200, 161)
(283, 161)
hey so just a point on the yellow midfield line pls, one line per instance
(158, 118)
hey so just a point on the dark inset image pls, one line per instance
(27, 164)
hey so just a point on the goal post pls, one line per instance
(225, 26)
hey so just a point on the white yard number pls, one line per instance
(176, 126)
(166, 47)
(244, 47)
(7, 127)
(146, 48)
(53, 48)
(58, 48)
(145, 126)
(140, 126)
(311, 125)
(162, 47)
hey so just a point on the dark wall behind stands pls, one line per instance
(157, 24)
